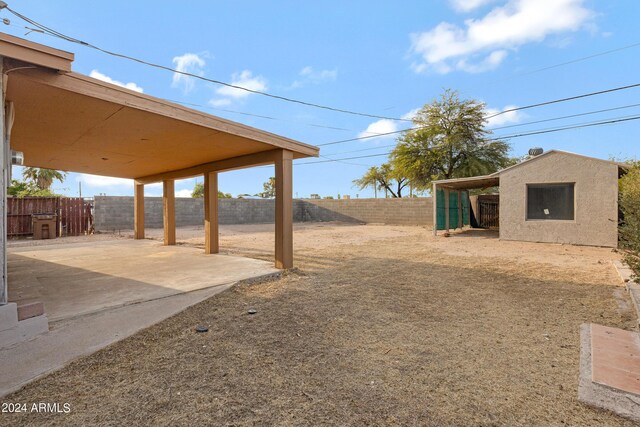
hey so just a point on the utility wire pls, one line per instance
(555, 101)
(258, 115)
(520, 135)
(55, 33)
(573, 61)
(566, 117)
(497, 128)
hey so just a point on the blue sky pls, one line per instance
(385, 58)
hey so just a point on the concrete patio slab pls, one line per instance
(72, 338)
(610, 369)
(101, 292)
(81, 278)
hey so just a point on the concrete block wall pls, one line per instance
(116, 213)
(415, 211)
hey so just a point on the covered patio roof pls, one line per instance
(63, 120)
(68, 121)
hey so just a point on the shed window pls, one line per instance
(550, 201)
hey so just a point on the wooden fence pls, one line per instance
(74, 215)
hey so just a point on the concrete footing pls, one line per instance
(13, 330)
(594, 391)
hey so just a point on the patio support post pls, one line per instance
(284, 209)
(434, 200)
(446, 210)
(211, 232)
(138, 210)
(169, 211)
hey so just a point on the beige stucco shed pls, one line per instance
(555, 197)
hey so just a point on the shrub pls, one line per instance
(630, 224)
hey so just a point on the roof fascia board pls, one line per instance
(34, 53)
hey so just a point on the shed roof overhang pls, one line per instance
(485, 181)
(71, 122)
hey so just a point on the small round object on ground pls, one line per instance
(202, 329)
(252, 311)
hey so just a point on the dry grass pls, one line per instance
(385, 331)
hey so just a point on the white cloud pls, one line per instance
(380, 127)
(109, 181)
(410, 115)
(220, 102)
(503, 119)
(188, 63)
(385, 128)
(492, 61)
(482, 44)
(309, 75)
(104, 181)
(183, 193)
(131, 86)
(244, 79)
(468, 5)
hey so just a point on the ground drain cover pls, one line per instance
(202, 329)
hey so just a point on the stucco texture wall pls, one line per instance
(114, 213)
(596, 201)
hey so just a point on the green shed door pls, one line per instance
(453, 209)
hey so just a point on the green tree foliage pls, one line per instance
(198, 192)
(450, 142)
(269, 188)
(27, 189)
(42, 178)
(630, 224)
(385, 177)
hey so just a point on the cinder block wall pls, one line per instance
(116, 213)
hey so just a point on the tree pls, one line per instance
(25, 189)
(449, 141)
(42, 178)
(629, 186)
(386, 177)
(198, 192)
(269, 188)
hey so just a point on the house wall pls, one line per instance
(596, 201)
(112, 213)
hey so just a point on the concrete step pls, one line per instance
(610, 369)
(29, 309)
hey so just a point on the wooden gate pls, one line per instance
(488, 211)
(75, 216)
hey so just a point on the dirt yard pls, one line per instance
(380, 325)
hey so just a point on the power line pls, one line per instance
(555, 101)
(520, 135)
(362, 149)
(62, 36)
(573, 61)
(190, 104)
(505, 127)
(567, 117)
(51, 32)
